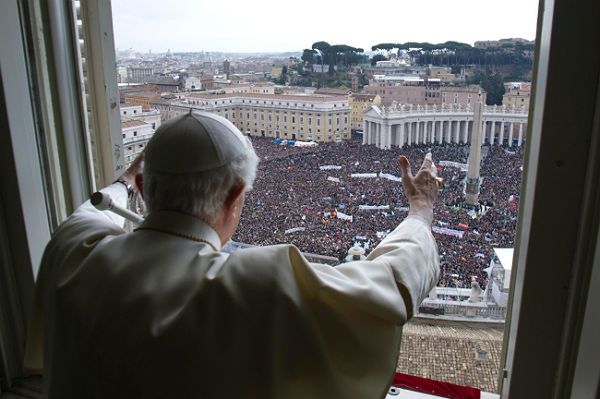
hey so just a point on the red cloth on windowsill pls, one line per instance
(439, 388)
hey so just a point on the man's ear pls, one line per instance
(139, 182)
(234, 194)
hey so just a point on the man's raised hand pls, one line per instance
(420, 190)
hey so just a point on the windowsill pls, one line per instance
(25, 388)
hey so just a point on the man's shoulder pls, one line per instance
(267, 263)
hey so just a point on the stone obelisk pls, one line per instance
(472, 188)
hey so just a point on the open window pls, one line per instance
(59, 106)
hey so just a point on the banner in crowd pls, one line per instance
(333, 179)
(305, 144)
(343, 216)
(373, 207)
(403, 209)
(330, 167)
(447, 231)
(462, 166)
(389, 177)
(364, 175)
(294, 230)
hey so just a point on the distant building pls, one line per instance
(517, 94)
(144, 98)
(359, 103)
(419, 91)
(463, 95)
(151, 116)
(296, 117)
(444, 74)
(501, 42)
(166, 83)
(193, 83)
(136, 134)
(139, 74)
(226, 68)
(207, 82)
(137, 126)
(253, 88)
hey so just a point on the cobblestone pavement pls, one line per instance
(458, 354)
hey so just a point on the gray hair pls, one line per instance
(200, 194)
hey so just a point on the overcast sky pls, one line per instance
(275, 25)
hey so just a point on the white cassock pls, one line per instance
(161, 313)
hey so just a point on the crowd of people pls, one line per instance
(308, 197)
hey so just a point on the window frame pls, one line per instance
(532, 351)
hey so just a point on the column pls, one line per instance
(483, 131)
(456, 131)
(427, 132)
(409, 133)
(402, 134)
(465, 131)
(449, 132)
(510, 134)
(364, 132)
(433, 131)
(418, 133)
(388, 133)
(492, 132)
(520, 134)
(502, 133)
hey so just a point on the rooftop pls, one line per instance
(278, 97)
(462, 353)
(132, 123)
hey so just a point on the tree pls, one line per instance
(492, 83)
(308, 56)
(378, 57)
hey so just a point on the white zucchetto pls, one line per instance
(193, 142)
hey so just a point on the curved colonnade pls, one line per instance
(407, 125)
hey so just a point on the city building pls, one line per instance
(136, 134)
(137, 126)
(295, 117)
(138, 74)
(246, 87)
(151, 116)
(142, 98)
(460, 94)
(419, 91)
(193, 83)
(207, 82)
(444, 74)
(359, 103)
(517, 94)
(226, 68)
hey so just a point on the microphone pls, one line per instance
(103, 202)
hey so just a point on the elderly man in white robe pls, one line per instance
(162, 313)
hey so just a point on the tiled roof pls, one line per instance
(132, 123)
(450, 353)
